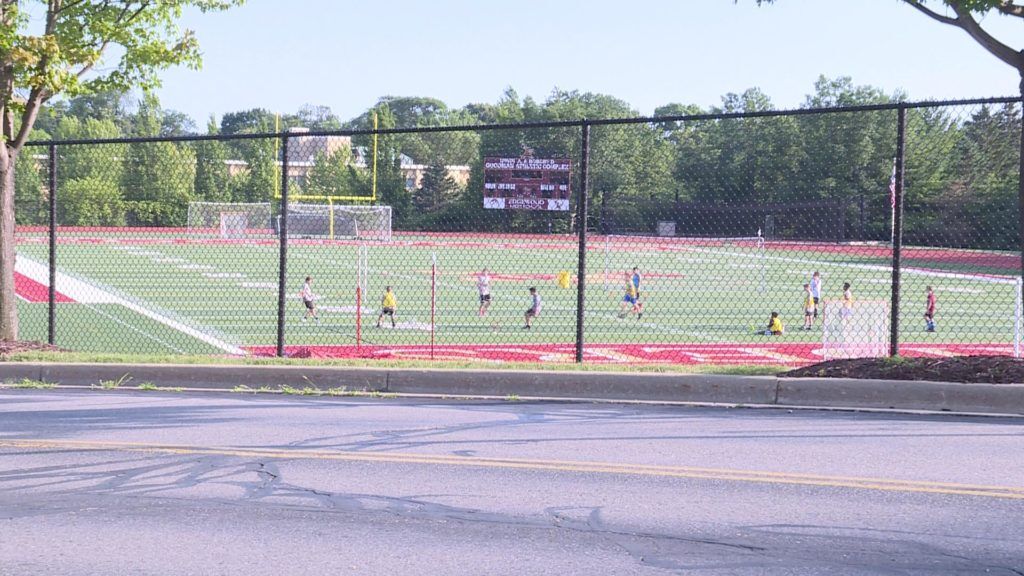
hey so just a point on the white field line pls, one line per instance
(88, 294)
(872, 267)
(421, 279)
(134, 329)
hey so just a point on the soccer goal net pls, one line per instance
(339, 221)
(858, 329)
(229, 219)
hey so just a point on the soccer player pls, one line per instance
(816, 291)
(534, 310)
(309, 299)
(929, 309)
(483, 286)
(639, 307)
(629, 300)
(387, 306)
(775, 327)
(810, 308)
(847, 309)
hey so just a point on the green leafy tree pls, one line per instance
(212, 178)
(159, 176)
(317, 118)
(333, 174)
(89, 176)
(970, 16)
(848, 158)
(74, 47)
(30, 195)
(251, 121)
(391, 185)
(247, 121)
(988, 180)
(260, 181)
(437, 187)
(91, 201)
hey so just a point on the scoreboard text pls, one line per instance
(527, 183)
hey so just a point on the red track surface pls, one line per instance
(921, 256)
(33, 291)
(784, 354)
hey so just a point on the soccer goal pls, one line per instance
(859, 329)
(229, 219)
(339, 222)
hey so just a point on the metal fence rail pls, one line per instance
(882, 229)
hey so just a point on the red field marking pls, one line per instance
(921, 256)
(595, 276)
(783, 354)
(33, 291)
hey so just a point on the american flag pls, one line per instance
(892, 185)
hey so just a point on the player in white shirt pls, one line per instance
(816, 291)
(483, 286)
(309, 299)
(534, 310)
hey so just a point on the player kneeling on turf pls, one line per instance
(534, 309)
(387, 306)
(775, 327)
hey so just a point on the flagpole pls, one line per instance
(892, 204)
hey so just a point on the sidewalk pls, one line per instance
(1003, 399)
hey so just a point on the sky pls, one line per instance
(281, 54)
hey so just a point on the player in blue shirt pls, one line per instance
(638, 306)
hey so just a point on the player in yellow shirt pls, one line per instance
(810, 308)
(630, 302)
(387, 306)
(775, 327)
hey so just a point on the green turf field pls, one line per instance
(154, 295)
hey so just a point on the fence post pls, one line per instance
(1020, 211)
(581, 220)
(897, 230)
(51, 320)
(282, 232)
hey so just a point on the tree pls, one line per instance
(317, 118)
(85, 46)
(965, 16)
(212, 178)
(30, 195)
(261, 179)
(391, 185)
(436, 188)
(254, 120)
(332, 174)
(90, 175)
(159, 176)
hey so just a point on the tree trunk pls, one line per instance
(8, 301)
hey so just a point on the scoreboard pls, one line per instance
(527, 183)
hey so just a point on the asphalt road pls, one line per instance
(110, 483)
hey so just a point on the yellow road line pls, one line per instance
(760, 476)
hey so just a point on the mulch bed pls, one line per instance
(970, 369)
(8, 347)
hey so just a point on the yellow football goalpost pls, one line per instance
(330, 199)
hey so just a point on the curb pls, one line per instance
(1003, 399)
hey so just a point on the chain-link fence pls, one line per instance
(770, 237)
